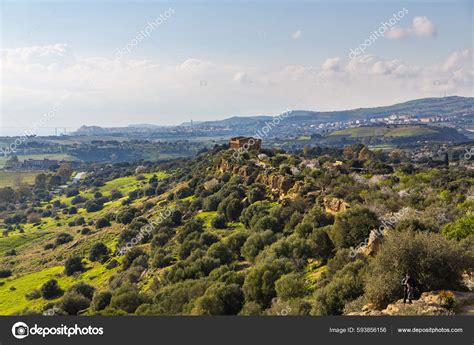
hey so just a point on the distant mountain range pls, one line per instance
(453, 106)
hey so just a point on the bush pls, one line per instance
(126, 299)
(256, 242)
(219, 222)
(345, 286)
(211, 203)
(131, 255)
(460, 229)
(101, 300)
(352, 227)
(78, 200)
(220, 299)
(63, 238)
(233, 210)
(50, 289)
(98, 252)
(259, 285)
(93, 206)
(221, 252)
(184, 192)
(290, 286)
(85, 231)
(73, 265)
(83, 289)
(72, 303)
(102, 223)
(434, 262)
(5, 273)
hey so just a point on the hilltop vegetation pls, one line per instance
(263, 233)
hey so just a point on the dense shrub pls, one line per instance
(50, 289)
(220, 299)
(72, 303)
(434, 262)
(98, 252)
(102, 223)
(83, 289)
(346, 285)
(63, 238)
(73, 265)
(5, 273)
(219, 222)
(461, 228)
(101, 300)
(352, 227)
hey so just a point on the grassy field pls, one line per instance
(13, 290)
(375, 131)
(9, 178)
(34, 265)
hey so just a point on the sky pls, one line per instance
(70, 63)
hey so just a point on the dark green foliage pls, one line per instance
(102, 223)
(219, 222)
(323, 245)
(93, 206)
(220, 299)
(72, 303)
(259, 285)
(290, 286)
(5, 273)
(73, 265)
(346, 285)
(83, 289)
(98, 252)
(50, 289)
(63, 238)
(127, 299)
(434, 262)
(184, 192)
(131, 255)
(353, 227)
(221, 252)
(256, 242)
(101, 300)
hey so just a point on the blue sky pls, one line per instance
(254, 57)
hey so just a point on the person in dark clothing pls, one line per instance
(408, 285)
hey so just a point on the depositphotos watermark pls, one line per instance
(145, 231)
(21, 330)
(376, 34)
(260, 134)
(145, 33)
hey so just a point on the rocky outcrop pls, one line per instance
(429, 303)
(277, 183)
(335, 205)
(236, 169)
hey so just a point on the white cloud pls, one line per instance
(106, 91)
(421, 27)
(455, 59)
(332, 64)
(296, 35)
